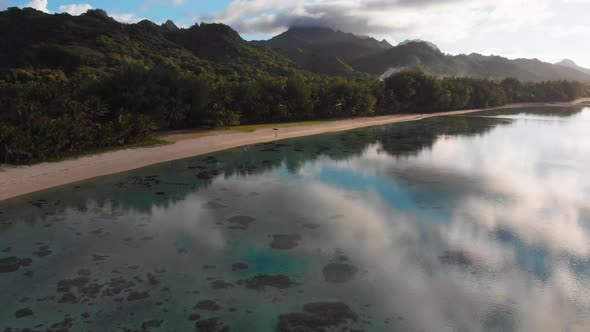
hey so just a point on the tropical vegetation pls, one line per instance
(73, 84)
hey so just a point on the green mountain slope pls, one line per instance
(422, 55)
(323, 50)
(570, 64)
(32, 39)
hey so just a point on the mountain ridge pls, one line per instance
(344, 54)
(30, 38)
(93, 40)
(323, 50)
(571, 64)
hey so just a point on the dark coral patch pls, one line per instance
(260, 282)
(79, 289)
(134, 296)
(211, 325)
(11, 264)
(239, 266)
(117, 286)
(64, 325)
(221, 284)
(25, 312)
(43, 251)
(207, 305)
(84, 272)
(285, 241)
(99, 258)
(151, 323)
(152, 279)
(194, 316)
(214, 205)
(311, 226)
(240, 222)
(326, 316)
(67, 285)
(139, 181)
(339, 272)
(69, 298)
(456, 258)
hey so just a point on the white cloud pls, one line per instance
(422, 19)
(125, 17)
(454, 25)
(75, 9)
(39, 5)
(178, 2)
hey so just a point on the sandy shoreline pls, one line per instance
(20, 180)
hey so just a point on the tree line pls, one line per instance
(47, 114)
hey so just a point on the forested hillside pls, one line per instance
(325, 51)
(72, 84)
(570, 64)
(97, 44)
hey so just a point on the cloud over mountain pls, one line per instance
(75, 9)
(39, 5)
(547, 29)
(446, 20)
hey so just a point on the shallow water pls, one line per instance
(467, 223)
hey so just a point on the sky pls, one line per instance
(549, 30)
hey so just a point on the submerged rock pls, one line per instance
(241, 222)
(66, 285)
(43, 251)
(152, 279)
(221, 284)
(151, 323)
(260, 282)
(134, 296)
(207, 305)
(339, 272)
(311, 226)
(99, 258)
(68, 298)
(239, 266)
(194, 316)
(116, 286)
(64, 325)
(456, 258)
(323, 316)
(285, 241)
(214, 324)
(11, 264)
(214, 205)
(84, 272)
(25, 312)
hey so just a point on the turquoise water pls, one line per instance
(467, 223)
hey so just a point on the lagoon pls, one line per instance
(478, 222)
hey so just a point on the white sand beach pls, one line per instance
(20, 180)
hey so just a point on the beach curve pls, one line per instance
(16, 181)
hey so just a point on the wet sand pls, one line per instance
(20, 180)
